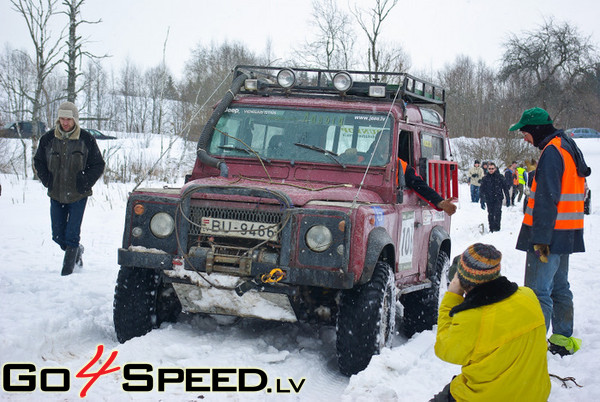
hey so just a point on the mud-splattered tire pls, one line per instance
(421, 307)
(142, 302)
(366, 320)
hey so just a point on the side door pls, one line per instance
(411, 241)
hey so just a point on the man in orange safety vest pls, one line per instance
(552, 227)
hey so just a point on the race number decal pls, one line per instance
(406, 240)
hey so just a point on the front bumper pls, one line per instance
(201, 258)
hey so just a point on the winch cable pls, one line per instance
(184, 129)
(379, 135)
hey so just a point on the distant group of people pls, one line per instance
(491, 188)
(492, 327)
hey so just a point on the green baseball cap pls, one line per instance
(532, 117)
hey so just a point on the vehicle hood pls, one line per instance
(300, 193)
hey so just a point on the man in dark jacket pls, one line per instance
(68, 163)
(492, 190)
(553, 223)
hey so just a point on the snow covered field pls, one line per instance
(50, 321)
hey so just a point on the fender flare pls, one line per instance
(379, 244)
(439, 240)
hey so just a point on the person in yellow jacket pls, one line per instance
(495, 330)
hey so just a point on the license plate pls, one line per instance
(235, 228)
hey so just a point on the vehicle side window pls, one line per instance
(405, 147)
(432, 146)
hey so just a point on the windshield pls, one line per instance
(346, 138)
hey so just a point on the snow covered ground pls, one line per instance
(50, 322)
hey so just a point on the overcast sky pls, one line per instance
(432, 32)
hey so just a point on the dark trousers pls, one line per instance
(494, 215)
(519, 189)
(66, 222)
(474, 193)
(444, 395)
(507, 195)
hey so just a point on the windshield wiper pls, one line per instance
(331, 154)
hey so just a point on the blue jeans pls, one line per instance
(66, 222)
(474, 193)
(550, 282)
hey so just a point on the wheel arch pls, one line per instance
(379, 247)
(439, 240)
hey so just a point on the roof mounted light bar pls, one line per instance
(350, 84)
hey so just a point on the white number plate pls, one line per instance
(235, 228)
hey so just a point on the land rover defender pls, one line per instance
(296, 210)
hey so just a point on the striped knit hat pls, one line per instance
(479, 263)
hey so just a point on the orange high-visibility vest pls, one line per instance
(572, 193)
(404, 165)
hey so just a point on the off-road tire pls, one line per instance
(421, 307)
(366, 320)
(142, 302)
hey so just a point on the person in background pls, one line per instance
(495, 330)
(511, 178)
(492, 189)
(484, 166)
(68, 163)
(475, 176)
(521, 181)
(552, 227)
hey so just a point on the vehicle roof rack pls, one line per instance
(319, 82)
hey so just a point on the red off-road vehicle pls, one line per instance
(296, 210)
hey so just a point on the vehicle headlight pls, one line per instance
(318, 238)
(162, 225)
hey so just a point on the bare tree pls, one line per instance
(547, 64)
(206, 72)
(333, 39)
(17, 78)
(372, 28)
(75, 52)
(37, 15)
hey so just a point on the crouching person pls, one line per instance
(495, 330)
(68, 163)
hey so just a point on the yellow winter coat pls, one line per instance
(501, 347)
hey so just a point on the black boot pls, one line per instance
(69, 260)
(79, 260)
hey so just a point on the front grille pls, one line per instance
(199, 212)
